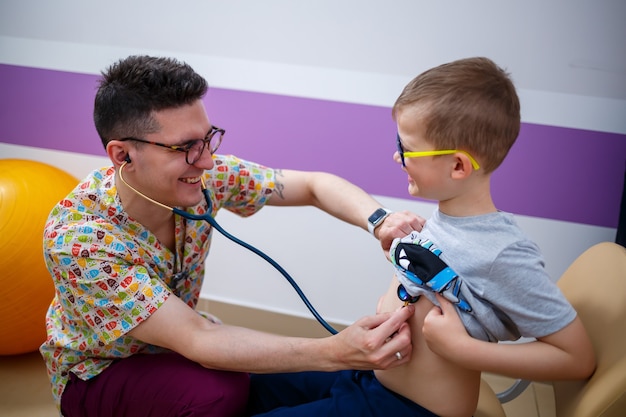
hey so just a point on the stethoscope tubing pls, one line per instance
(211, 220)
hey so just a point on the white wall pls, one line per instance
(568, 60)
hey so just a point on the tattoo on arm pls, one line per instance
(280, 187)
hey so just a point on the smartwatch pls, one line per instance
(376, 219)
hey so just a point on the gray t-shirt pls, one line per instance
(501, 276)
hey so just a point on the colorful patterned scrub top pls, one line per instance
(110, 273)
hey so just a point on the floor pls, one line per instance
(24, 387)
(25, 391)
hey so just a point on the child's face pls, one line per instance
(429, 176)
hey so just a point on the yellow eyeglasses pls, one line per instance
(404, 154)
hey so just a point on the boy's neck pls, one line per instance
(472, 203)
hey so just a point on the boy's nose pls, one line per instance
(396, 157)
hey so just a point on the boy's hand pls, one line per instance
(443, 329)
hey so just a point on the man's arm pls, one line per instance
(341, 199)
(364, 345)
(565, 354)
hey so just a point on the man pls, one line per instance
(123, 335)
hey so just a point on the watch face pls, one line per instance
(378, 214)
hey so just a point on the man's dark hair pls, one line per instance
(133, 88)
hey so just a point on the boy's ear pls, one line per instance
(463, 166)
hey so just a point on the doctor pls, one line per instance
(123, 335)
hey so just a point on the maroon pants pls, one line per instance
(157, 385)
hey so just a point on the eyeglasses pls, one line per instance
(194, 148)
(404, 154)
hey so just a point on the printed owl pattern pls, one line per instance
(111, 273)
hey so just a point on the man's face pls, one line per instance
(163, 174)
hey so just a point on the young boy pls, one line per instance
(456, 123)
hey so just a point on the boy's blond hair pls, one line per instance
(470, 104)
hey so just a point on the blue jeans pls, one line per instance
(314, 394)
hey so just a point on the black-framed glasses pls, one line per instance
(193, 149)
(404, 154)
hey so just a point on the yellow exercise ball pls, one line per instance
(28, 191)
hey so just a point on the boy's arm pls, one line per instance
(565, 354)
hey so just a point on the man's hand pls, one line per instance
(373, 342)
(398, 224)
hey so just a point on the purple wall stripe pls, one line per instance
(551, 172)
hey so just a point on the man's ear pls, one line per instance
(463, 166)
(118, 152)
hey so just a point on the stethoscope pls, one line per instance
(208, 218)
